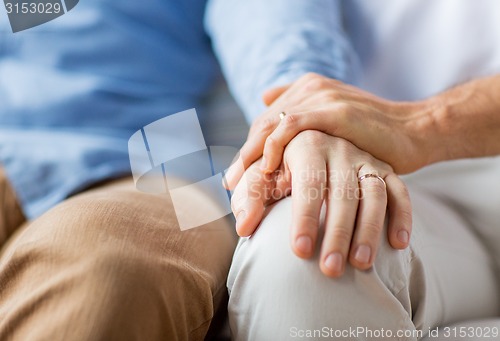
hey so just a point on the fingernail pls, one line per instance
(229, 175)
(403, 236)
(304, 244)
(334, 262)
(225, 183)
(263, 164)
(363, 254)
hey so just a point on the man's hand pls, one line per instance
(319, 168)
(390, 131)
(462, 122)
(386, 129)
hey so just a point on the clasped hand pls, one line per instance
(318, 168)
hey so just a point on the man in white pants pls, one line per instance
(405, 52)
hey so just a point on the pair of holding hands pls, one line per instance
(328, 148)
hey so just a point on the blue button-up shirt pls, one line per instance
(264, 43)
(72, 91)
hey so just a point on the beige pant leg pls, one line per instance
(472, 187)
(445, 276)
(11, 216)
(112, 264)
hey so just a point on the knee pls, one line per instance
(93, 221)
(119, 258)
(269, 252)
(267, 280)
(158, 296)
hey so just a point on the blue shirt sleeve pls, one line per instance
(265, 43)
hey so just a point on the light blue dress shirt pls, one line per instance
(73, 91)
(265, 43)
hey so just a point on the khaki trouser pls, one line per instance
(109, 264)
(448, 274)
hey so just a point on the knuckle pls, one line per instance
(316, 83)
(340, 237)
(344, 147)
(312, 137)
(309, 76)
(289, 121)
(404, 192)
(406, 216)
(374, 188)
(266, 125)
(334, 96)
(371, 230)
(336, 82)
(307, 223)
(342, 109)
(271, 142)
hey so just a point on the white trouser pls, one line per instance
(448, 273)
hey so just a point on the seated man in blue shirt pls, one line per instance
(110, 262)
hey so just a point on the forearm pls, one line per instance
(464, 122)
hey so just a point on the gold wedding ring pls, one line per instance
(282, 115)
(371, 175)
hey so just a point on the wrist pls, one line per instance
(422, 128)
(453, 127)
